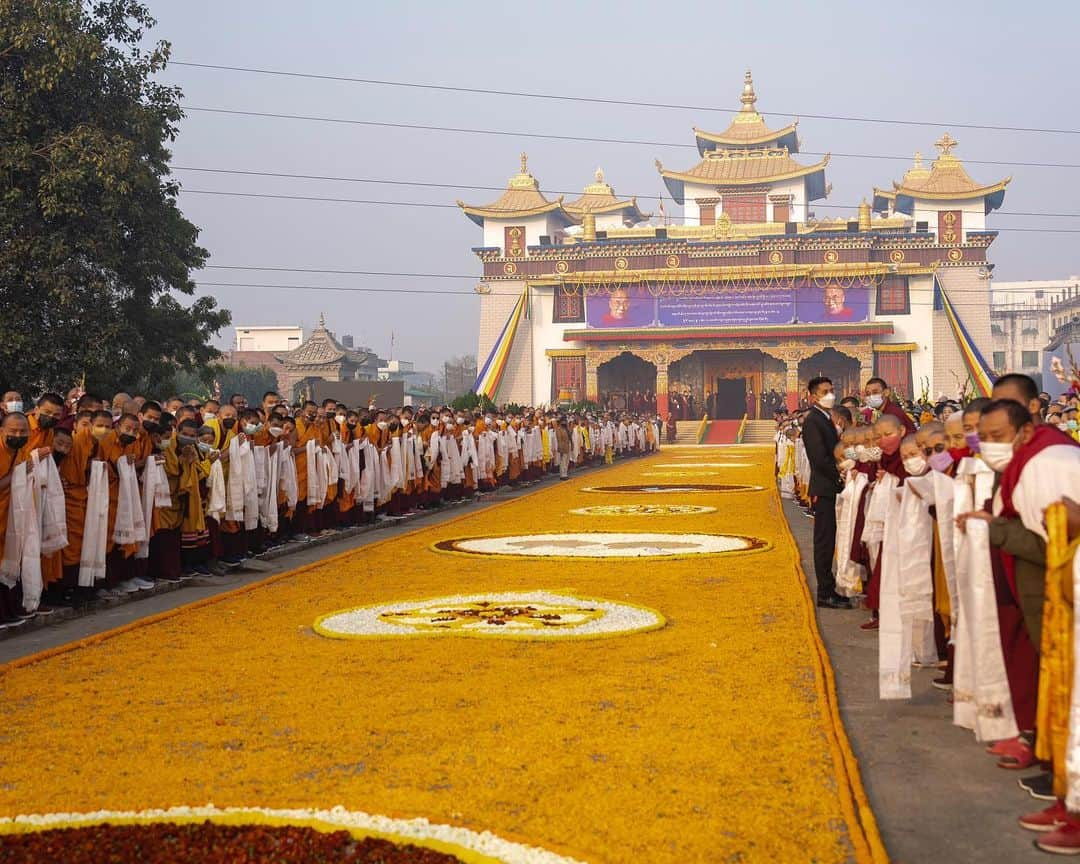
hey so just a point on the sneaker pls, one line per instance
(128, 586)
(1040, 786)
(300, 538)
(107, 594)
(44, 610)
(1017, 756)
(872, 624)
(143, 584)
(1045, 820)
(942, 684)
(201, 570)
(171, 580)
(217, 568)
(187, 576)
(1064, 840)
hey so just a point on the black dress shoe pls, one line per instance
(834, 602)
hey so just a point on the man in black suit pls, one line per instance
(819, 438)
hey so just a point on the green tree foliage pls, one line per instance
(95, 255)
(470, 400)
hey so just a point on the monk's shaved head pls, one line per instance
(887, 424)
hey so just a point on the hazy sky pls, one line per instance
(993, 63)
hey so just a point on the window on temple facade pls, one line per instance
(707, 214)
(569, 308)
(893, 297)
(745, 208)
(568, 379)
(895, 368)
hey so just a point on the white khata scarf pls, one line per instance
(130, 526)
(95, 527)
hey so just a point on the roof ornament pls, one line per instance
(523, 179)
(748, 98)
(945, 144)
(524, 163)
(917, 161)
(599, 175)
(322, 321)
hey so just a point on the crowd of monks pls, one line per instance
(958, 529)
(99, 499)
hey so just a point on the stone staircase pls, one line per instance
(759, 432)
(687, 431)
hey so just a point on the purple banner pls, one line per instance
(737, 306)
(624, 307)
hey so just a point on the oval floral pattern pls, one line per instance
(682, 466)
(665, 488)
(461, 842)
(601, 544)
(643, 510)
(513, 615)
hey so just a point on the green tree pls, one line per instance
(95, 255)
(250, 382)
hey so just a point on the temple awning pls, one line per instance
(748, 128)
(945, 180)
(599, 198)
(746, 168)
(521, 199)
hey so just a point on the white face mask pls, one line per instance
(209, 415)
(915, 465)
(875, 401)
(276, 431)
(827, 401)
(846, 464)
(340, 418)
(405, 421)
(460, 421)
(873, 454)
(382, 424)
(996, 454)
(851, 452)
(12, 407)
(252, 428)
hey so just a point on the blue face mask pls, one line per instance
(1071, 425)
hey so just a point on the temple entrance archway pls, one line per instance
(725, 385)
(627, 383)
(840, 368)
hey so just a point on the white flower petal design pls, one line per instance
(541, 615)
(599, 544)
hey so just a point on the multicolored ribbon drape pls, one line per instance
(977, 367)
(487, 382)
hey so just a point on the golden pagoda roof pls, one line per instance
(599, 197)
(748, 128)
(741, 168)
(521, 198)
(946, 179)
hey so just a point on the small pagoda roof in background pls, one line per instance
(522, 198)
(599, 197)
(321, 348)
(945, 180)
(748, 128)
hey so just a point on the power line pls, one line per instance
(576, 138)
(481, 188)
(424, 291)
(264, 195)
(611, 101)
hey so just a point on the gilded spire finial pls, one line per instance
(917, 162)
(748, 97)
(945, 144)
(599, 175)
(322, 321)
(524, 163)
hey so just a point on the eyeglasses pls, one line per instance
(937, 448)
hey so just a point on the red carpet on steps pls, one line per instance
(722, 432)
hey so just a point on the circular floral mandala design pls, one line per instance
(513, 615)
(684, 465)
(643, 510)
(601, 544)
(463, 843)
(666, 488)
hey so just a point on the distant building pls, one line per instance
(320, 357)
(395, 370)
(272, 338)
(1020, 326)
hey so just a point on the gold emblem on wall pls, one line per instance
(831, 256)
(896, 256)
(672, 261)
(514, 240)
(562, 267)
(621, 264)
(956, 255)
(776, 257)
(509, 268)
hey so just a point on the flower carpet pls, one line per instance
(651, 706)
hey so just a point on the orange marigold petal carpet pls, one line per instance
(713, 738)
